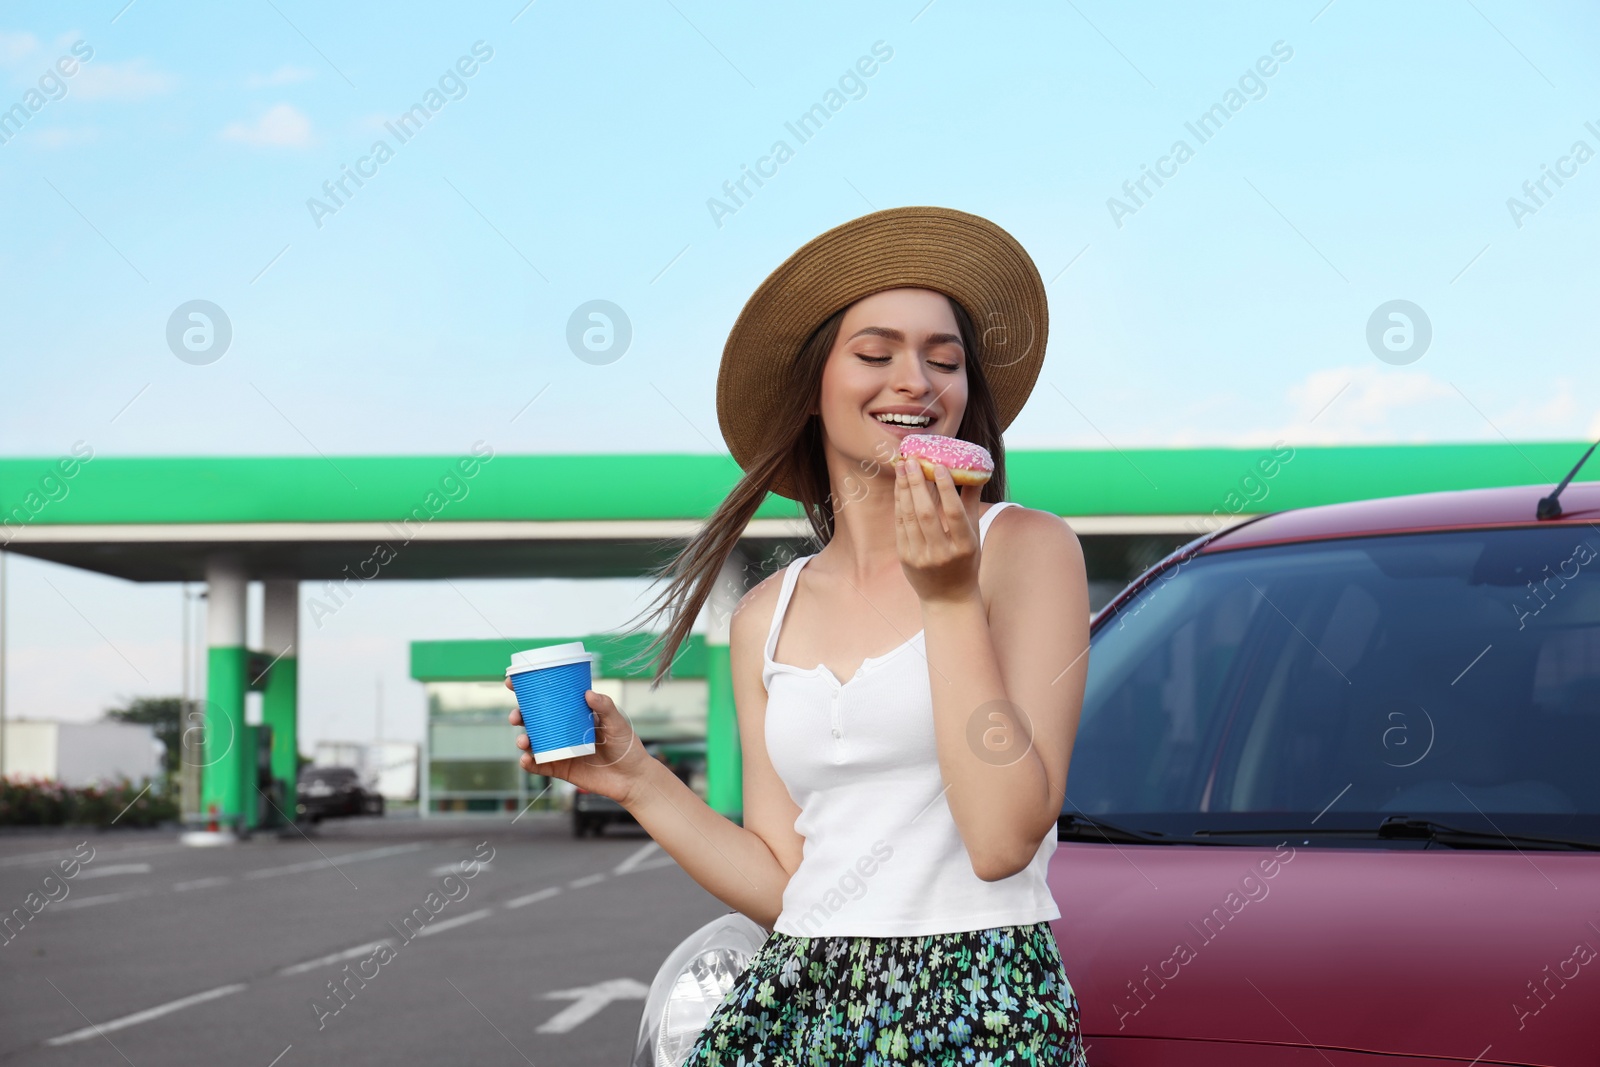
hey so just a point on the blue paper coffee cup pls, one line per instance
(550, 683)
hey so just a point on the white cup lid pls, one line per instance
(549, 654)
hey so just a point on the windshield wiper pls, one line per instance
(1088, 828)
(1292, 831)
(1404, 826)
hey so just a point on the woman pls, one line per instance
(899, 808)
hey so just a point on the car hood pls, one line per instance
(1436, 952)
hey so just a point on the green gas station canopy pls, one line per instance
(485, 659)
(614, 515)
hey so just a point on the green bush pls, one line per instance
(41, 802)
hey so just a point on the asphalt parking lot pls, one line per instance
(159, 953)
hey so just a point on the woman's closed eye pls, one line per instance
(878, 361)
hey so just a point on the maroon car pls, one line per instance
(1334, 799)
(1335, 794)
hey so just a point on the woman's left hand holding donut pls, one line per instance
(936, 531)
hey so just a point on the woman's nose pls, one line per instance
(910, 378)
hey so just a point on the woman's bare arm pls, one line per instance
(1008, 690)
(745, 867)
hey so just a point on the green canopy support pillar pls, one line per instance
(280, 705)
(227, 767)
(724, 762)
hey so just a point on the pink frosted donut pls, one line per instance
(968, 464)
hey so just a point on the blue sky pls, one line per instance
(575, 163)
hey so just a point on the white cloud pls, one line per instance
(15, 47)
(1357, 403)
(1351, 404)
(1534, 418)
(1363, 399)
(1364, 403)
(285, 75)
(280, 126)
(129, 80)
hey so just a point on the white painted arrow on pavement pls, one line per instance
(588, 1000)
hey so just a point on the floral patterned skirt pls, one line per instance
(992, 996)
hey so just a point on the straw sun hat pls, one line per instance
(964, 256)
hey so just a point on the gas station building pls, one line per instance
(331, 523)
(464, 761)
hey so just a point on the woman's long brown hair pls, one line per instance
(795, 449)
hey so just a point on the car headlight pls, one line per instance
(691, 985)
(697, 992)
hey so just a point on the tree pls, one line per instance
(163, 713)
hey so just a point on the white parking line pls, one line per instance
(116, 868)
(34, 857)
(639, 856)
(200, 883)
(107, 898)
(455, 869)
(533, 898)
(335, 957)
(146, 1015)
(132, 850)
(349, 857)
(586, 880)
(451, 924)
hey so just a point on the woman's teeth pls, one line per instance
(905, 420)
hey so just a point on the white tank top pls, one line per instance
(882, 855)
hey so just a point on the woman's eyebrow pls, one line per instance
(896, 335)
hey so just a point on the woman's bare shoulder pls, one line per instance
(754, 611)
(1029, 534)
(1035, 520)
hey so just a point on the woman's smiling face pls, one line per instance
(897, 351)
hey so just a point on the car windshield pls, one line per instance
(1325, 686)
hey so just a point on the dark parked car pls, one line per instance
(1332, 799)
(592, 811)
(330, 792)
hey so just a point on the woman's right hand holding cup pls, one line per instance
(615, 769)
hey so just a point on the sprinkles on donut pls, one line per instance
(968, 463)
